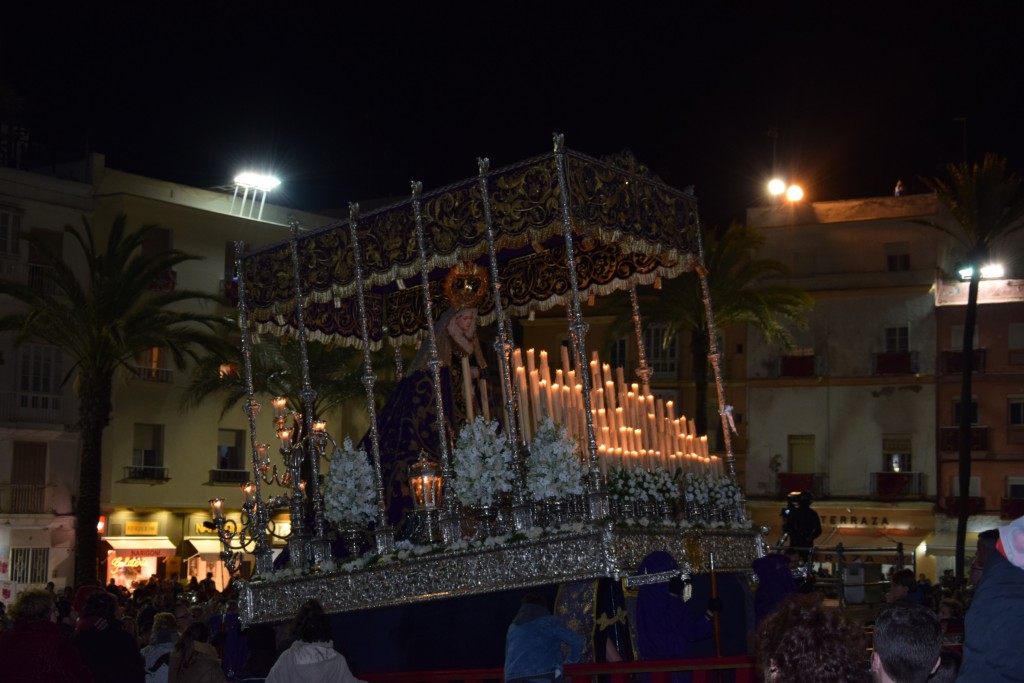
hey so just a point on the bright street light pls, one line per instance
(990, 272)
(776, 187)
(258, 183)
(794, 193)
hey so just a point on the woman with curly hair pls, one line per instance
(802, 642)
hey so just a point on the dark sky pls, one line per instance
(350, 104)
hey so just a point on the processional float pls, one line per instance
(550, 231)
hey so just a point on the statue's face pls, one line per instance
(466, 320)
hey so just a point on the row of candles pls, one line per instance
(631, 429)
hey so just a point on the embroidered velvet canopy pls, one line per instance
(628, 228)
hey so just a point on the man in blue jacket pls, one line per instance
(533, 647)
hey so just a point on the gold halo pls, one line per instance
(465, 285)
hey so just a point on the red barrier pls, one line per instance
(703, 670)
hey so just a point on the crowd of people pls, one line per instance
(161, 633)
(165, 633)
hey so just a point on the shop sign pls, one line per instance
(119, 563)
(137, 528)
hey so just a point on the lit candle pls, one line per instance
(280, 403)
(217, 505)
(467, 388)
(485, 400)
(285, 435)
(319, 425)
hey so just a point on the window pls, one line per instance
(1015, 410)
(662, 353)
(149, 366)
(30, 565)
(897, 339)
(10, 224)
(619, 355)
(897, 256)
(802, 457)
(148, 446)
(896, 262)
(230, 449)
(896, 454)
(39, 376)
(957, 341)
(973, 414)
(1015, 342)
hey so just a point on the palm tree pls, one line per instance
(104, 317)
(336, 375)
(987, 205)
(741, 293)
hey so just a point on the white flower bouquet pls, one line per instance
(350, 494)
(638, 485)
(698, 489)
(724, 492)
(482, 462)
(553, 469)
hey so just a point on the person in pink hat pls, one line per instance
(992, 629)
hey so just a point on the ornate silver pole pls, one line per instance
(643, 370)
(384, 534)
(314, 549)
(724, 410)
(597, 494)
(451, 523)
(260, 514)
(521, 513)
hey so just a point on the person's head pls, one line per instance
(900, 586)
(101, 604)
(165, 628)
(907, 641)
(311, 624)
(950, 609)
(185, 645)
(209, 576)
(986, 543)
(802, 642)
(33, 606)
(182, 616)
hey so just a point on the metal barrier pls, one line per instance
(705, 670)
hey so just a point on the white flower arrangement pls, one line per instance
(698, 489)
(553, 469)
(642, 486)
(350, 494)
(482, 462)
(724, 492)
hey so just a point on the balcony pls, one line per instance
(23, 499)
(146, 473)
(953, 362)
(949, 439)
(815, 482)
(897, 484)
(798, 366)
(27, 406)
(975, 505)
(151, 374)
(1011, 508)
(229, 476)
(896, 363)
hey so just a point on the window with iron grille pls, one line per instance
(661, 349)
(973, 409)
(897, 339)
(148, 447)
(230, 449)
(39, 376)
(1015, 410)
(30, 565)
(10, 224)
(896, 454)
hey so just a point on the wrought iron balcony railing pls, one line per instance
(146, 473)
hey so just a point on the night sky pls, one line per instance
(351, 104)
